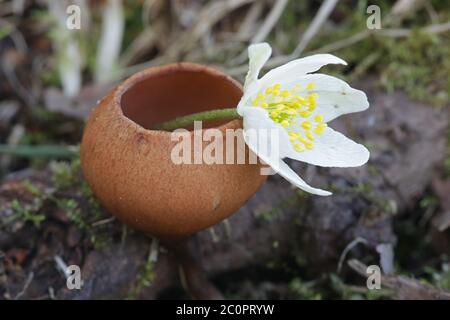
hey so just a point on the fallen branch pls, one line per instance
(403, 287)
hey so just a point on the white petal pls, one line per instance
(246, 99)
(286, 172)
(335, 96)
(333, 149)
(258, 54)
(299, 67)
(256, 118)
(280, 167)
(270, 137)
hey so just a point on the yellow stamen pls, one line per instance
(306, 125)
(287, 107)
(318, 118)
(309, 135)
(320, 128)
(305, 114)
(311, 86)
(285, 123)
(285, 94)
(298, 147)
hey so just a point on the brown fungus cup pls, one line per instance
(129, 166)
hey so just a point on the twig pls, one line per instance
(365, 64)
(150, 10)
(402, 9)
(208, 17)
(19, 7)
(248, 25)
(15, 35)
(246, 30)
(154, 250)
(432, 12)
(270, 21)
(347, 249)
(25, 286)
(13, 79)
(214, 236)
(438, 28)
(51, 293)
(149, 37)
(322, 15)
(227, 224)
(103, 221)
(340, 44)
(16, 134)
(403, 287)
(61, 265)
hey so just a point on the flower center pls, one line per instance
(294, 112)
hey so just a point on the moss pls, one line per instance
(31, 188)
(70, 207)
(368, 193)
(75, 214)
(5, 31)
(133, 21)
(67, 177)
(95, 206)
(66, 174)
(348, 292)
(304, 290)
(27, 213)
(419, 65)
(273, 213)
(144, 279)
(440, 277)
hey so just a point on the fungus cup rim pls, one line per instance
(148, 73)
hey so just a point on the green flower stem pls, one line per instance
(184, 121)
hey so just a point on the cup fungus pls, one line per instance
(129, 166)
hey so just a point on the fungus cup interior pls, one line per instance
(178, 90)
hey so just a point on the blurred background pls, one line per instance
(58, 58)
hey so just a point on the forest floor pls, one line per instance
(283, 244)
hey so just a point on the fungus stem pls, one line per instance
(191, 273)
(184, 121)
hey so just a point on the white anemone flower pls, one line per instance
(297, 105)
